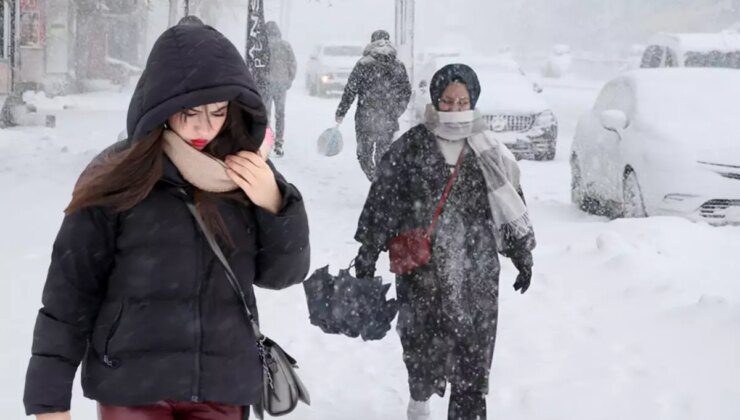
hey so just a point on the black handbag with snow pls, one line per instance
(282, 389)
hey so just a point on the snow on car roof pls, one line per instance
(695, 104)
(500, 63)
(343, 44)
(686, 85)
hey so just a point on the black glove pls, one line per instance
(365, 262)
(523, 263)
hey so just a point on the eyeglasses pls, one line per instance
(450, 102)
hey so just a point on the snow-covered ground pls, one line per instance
(625, 319)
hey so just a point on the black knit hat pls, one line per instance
(380, 34)
(451, 73)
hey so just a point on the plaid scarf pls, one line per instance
(501, 172)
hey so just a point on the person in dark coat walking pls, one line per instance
(280, 76)
(448, 308)
(384, 90)
(134, 292)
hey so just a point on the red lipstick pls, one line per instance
(199, 143)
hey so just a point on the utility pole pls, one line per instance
(176, 8)
(13, 43)
(404, 33)
(285, 6)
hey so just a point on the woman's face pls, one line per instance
(455, 98)
(199, 125)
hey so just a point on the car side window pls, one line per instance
(652, 57)
(623, 99)
(606, 97)
(616, 95)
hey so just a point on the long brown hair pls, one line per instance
(121, 179)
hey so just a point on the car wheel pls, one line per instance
(578, 194)
(547, 155)
(633, 205)
(550, 155)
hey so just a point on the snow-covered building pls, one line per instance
(61, 45)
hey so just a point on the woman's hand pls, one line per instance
(254, 176)
(54, 416)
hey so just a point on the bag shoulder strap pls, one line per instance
(448, 188)
(230, 276)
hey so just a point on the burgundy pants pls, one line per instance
(172, 410)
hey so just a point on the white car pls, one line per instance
(660, 142)
(509, 102)
(559, 62)
(329, 67)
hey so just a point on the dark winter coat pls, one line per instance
(282, 68)
(138, 296)
(383, 87)
(448, 307)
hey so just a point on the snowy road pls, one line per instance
(626, 319)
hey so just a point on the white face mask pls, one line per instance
(455, 125)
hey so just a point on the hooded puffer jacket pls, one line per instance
(137, 296)
(282, 67)
(380, 81)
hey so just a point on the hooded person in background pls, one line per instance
(280, 76)
(448, 308)
(384, 90)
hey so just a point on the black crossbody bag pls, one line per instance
(281, 386)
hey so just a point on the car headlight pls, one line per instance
(545, 119)
(679, 197)
(326, 78)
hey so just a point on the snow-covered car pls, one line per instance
(558, 62)
(509, 102)
(329, 67)
(660, 142)
(720, 49)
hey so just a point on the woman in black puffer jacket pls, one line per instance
(134, 292)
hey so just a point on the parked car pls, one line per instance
(661, 141)
(559, 62)
(720, 49)
(509, 102)
(329, 67)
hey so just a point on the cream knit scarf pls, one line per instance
(198, 168)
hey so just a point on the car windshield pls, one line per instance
(706, 102)
(713, 59)
(343, 51)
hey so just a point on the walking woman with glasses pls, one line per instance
(450, 179)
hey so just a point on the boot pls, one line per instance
(467, 405)
(278, 149)
(418, 410)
